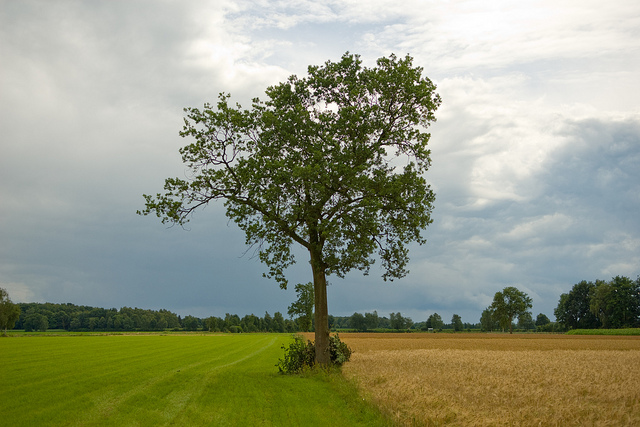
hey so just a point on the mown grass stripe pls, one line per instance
(166, 380)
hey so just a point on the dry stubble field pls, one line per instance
(496, 379)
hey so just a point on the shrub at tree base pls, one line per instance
(300, 355)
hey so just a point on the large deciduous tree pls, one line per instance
(333, 161)
(509, 304)
(9, 312)
(456, 322)
(574, 307)
(616, 303)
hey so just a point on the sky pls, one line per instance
(535, 152)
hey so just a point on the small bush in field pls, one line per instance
(301, 355)
(340, 352)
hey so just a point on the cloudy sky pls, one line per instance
(536, 151)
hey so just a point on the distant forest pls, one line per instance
(588, 305)
(80, 318)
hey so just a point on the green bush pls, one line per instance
(301, 355)
(340, 352)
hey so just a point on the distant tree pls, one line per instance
(9, 312)
(190, 323)
(358, 322)
(574, 308)
(278, 322)
(456, 321)
(372, 319)
(314, 165)
(435, 321)
(525, 321)
(509, 304)
(488, 321)
(399, 322)
(302, 308)
(36, 322)
(617, 303)
(542, 320)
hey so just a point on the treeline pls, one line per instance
(601, 304)
(396, 321)
(589, 305)
(77, 318)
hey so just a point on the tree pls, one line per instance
(9, 312)
(303, 306)
(456, 321)
(525, 321)
(278, 322)
(488, 321)
(542, 320)
(616, 303)
(190, 323)
(372, 319)
(435, 321)
(399, 322)
(358, 322)
(35, 322)
(315, 164)
(574, 307)
(509, 304)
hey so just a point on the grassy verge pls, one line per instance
(175, 379)
(626, 332)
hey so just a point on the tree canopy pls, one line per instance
(333, 161)
(9, 312)
(612, 304)
(509, 304)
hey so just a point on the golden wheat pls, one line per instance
(464, 379)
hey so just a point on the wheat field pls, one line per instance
(495, 379)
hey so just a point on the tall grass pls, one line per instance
(499, 380)
(156, 380)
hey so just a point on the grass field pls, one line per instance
(154, 380)
(482, 380)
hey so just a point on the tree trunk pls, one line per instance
(321, 311)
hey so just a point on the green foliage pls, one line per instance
(358, 322)
(190, 323)
(456, 321)
(525, 322)
(303, 306)
(9, 312)
(339, 352)
(542, 320)
(488, 321)
(613, 304)
(75, 318)
(314, 165)
(435, 322)
(551, 327)
(398, 322)
(509, 304)
(299, 355)
(574, 307)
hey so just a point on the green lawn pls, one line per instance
(167, 380)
